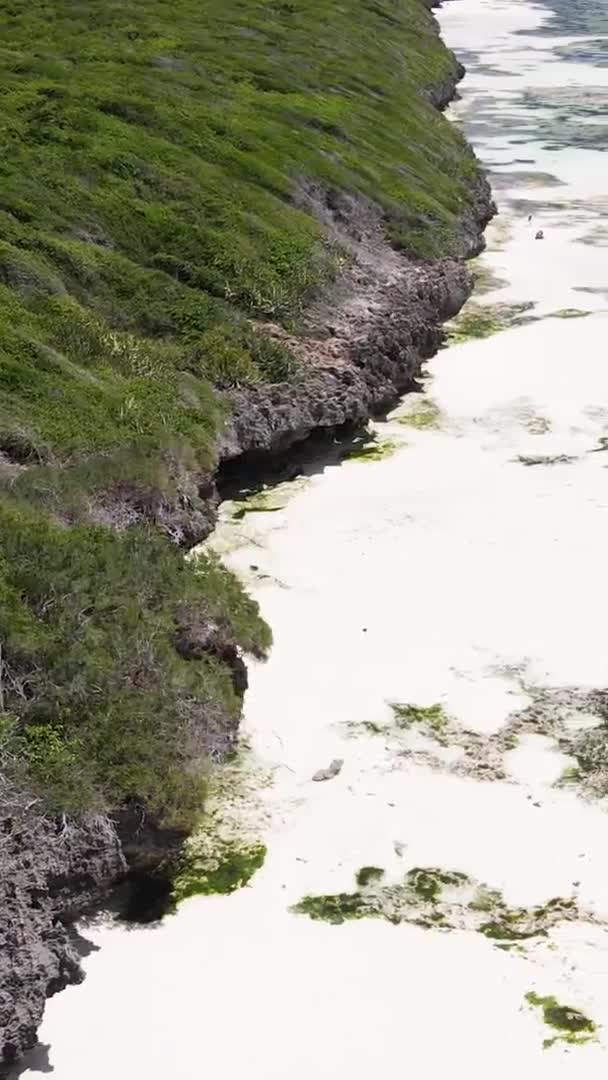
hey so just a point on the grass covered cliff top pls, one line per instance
(153, 159)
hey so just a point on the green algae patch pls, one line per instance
(437, 899)
(226, 850)
(504, 931)
(571, 775)
(413, 900)
(425, 415)
(519, 924)
(473, 324)
(569, 1024)
(485, 899)
(427, 884)
(545, 459)
(267, 501)
(486, 280)
(229, 867)
(432, 719)
(335, 908)
(372, 727)
(373, 451)
(367, 875)
(254, 508)
(483, 320)
(569, 313)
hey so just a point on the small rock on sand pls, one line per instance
(332, 770)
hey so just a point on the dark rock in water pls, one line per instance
(540, 235)
(332, 770)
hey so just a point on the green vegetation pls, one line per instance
(485, 899)
(427, 884)
(368, 875)
(425, 415)
(161, 171)
(413, 900)
(506, 931)
(433, 898)
(571, 775)
(98, 706)
(570, 1025)
(374, 451)
(253, 508)
(335, 909)
(518, 924)
(432, 719)
(230, 867)
(474, 322)
(155, 165)
(483, 320)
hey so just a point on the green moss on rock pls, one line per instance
(374, 451)
(570, 1024)
(368, 875)
(432, 719)
(228, 866)
(426, 415)
(483, 320)
(428, 884)
(439, 899)
(335, 908)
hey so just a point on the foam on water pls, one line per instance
(465, 569)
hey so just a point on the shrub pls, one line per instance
(104, 708)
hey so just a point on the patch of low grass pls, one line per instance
(98, 706)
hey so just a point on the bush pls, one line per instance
(103, 707)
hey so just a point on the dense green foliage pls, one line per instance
(153, 160)
(150, 156)
(99, 706)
